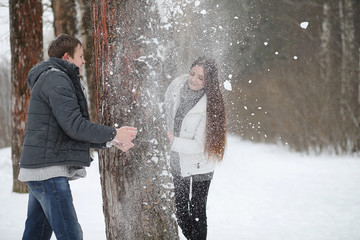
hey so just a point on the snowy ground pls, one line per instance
(260, 192)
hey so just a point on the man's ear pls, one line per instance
(66, 56)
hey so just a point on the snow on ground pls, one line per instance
(260, 192)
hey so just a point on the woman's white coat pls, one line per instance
(190, 143)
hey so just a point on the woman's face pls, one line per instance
(196, 78)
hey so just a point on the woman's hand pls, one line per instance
(171, 137)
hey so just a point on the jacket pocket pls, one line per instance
(58, 142)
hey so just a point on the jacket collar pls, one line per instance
(200, 106)
(69, 68)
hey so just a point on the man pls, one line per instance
(58, 139)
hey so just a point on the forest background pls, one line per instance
(293, 67)
(289, 72)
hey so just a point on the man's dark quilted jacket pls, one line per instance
(58, 130)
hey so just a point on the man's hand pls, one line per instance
(123, 138)
(125, 134)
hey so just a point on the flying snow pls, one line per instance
(304, 25)
(227, 85)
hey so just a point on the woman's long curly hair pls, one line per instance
(215, 138)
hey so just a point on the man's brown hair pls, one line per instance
(62, 44)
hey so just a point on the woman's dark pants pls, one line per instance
(191, 208)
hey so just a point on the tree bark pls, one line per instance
(136, 187)
(65, 20)
(26, 51)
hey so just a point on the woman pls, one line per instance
(196, 130)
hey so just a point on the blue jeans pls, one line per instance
(51, 208)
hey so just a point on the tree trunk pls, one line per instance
(325, 72)
(329, 75)
(5, 99)
(26, 51)
(325, 56)
(65, 20)
(136, 187)
(349, 84)
(87, 39)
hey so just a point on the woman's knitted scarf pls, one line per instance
(188, 99)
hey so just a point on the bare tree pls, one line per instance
(349, 82)
(87, 39)
(26, 51)
(136, 187)
(5, 99)
(65, 20)
(329, 131)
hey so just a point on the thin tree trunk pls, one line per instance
(65, 20)
(325, 69)
(356, 7)
(329, 104)
(349, 85)
(5, 99)
(136, 187)
(325, 57)
(87, 39)
(26, 51)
